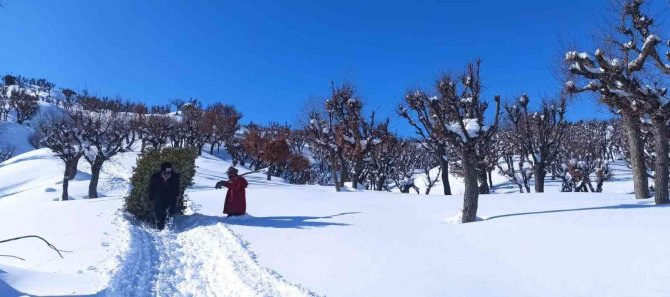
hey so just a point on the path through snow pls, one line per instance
(200, 256)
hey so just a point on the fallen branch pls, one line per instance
(10, 256)
(51, 246)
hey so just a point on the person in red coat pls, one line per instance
(236, 200)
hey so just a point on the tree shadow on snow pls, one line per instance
(620, 206)
(285, 222)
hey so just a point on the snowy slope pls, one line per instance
(309, 240)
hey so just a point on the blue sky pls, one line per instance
(268, 57)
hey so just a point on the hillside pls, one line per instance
(304, 240)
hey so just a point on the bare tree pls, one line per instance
(223, 120)
(5, 107)
(6, 152)
(60, 134)
(355, 133)
(456, 117)
(382, 161)
(427, 129)
(583, 156)
(24, 104)
(323, 143)
(178, 103)
(620, 83)
(157, 130)
(103, 133)
(539, 134)
(70, 97)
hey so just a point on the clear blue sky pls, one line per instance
(268, 57)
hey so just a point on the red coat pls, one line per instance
(236, 199)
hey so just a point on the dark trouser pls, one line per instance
(161, 212)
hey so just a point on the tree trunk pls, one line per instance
(211, 149)
(71, 167)
(540, 173)
(337, 182)
(66, 183)
(344, 171)
(631, 124)
(661, 163)
(483, 183)
(490, 180)
(599, 184)
(358, 167)
(96, 167)
(380, 183)
(471, 194)
(269, 173)
(444, 168)
(525, 185)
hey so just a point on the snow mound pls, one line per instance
(34, 169)
(15, 136)
(458, 219)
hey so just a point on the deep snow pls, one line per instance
(303, 240)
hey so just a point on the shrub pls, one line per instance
(183, 162)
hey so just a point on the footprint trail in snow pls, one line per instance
(199, 257)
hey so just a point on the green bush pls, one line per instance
(183, 162)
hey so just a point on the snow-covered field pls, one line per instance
(310, 240)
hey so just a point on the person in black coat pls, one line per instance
(164, 192)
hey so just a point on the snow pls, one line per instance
(472, 128)
(15, 136)
(310, 240)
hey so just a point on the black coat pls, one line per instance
(162, 192)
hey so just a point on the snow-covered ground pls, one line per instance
(310, 240)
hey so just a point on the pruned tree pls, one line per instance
(355, 133)
(407, 164)
(59, 133)
(584, 157)
(299, 169)
(220, 123)
(323, 144)
(197, 131)
(69, 99)
(456, 118)
(538, 134)
(514, 164)
(103, 134)
(619, 80)
(157, 130)
(178, 103)
(427, 162)
(383, 161)
(25, 105)
(427, 128)
(5, 108)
